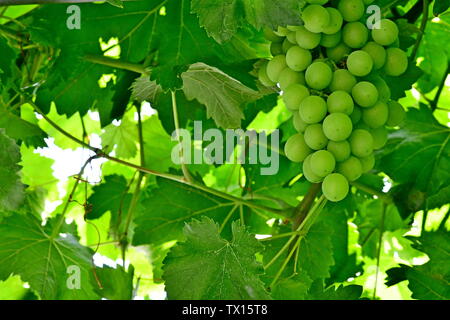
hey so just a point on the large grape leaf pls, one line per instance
(11, 187)
(340, 292)
(168, 207)
(431, 281)
(121, 138)
(116, 283)
(219, 268)
(44, 261)
(419, 154)
(6, 60)
(222, 19)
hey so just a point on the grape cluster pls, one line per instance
(330, 70)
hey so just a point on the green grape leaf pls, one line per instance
(116, 3)
(6, 60)
(341, 292)
(222, 19)
(121, 138)
(46, 262)
(430, 281)
(295, 288)
(116, 283)
(419, 154)
(144, 89)
(219, 268)
(222, 95)
(112, 195)
(399, 85)
(11, 187)
(440, 6)
(168, 207)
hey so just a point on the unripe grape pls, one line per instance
(298, 59)
(355, 35)
(322, 163)
(367, 163)
(356, 115)
(289, 76)
(336, 21)
(339, 52)
(350, 168)
(396, 114)
(315, 17)
(299, 124)
(307, 39)
(339, 149)
(291, 37)
(263, 78)
(340, 101)
(365, 94)
(282, 31)
(380, 137)
(314, 137)
(294, 28)
(351, 10)
(275, 66)
(294, 95)
(386, 34)
(335, 187)
(396, 62)
(276, 48)
(337, 126)
(359, 63)
(331, 40)
(296, 149)
(377, 53)
(313, 109)
(376, 116)
(307, 172)
(361, 143)
(286, 45)
(318, 75)
(271, 36)
(342, 80)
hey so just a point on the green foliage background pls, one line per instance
(189, 233)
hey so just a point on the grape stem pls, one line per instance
(302, 209)
(434, 103)
(423, 25)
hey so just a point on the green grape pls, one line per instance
(340, 101)
(337, 126)
(321, 2)
(350, 168)
(367, 163)
(396, 114)
(355, 35)
(377, 53)
(339, 149)
(380, 137)
(336, 21)
(342, 80)
(361, 143)
(298, 59)
(289, 76)
(275, 66)
(315, 17)
(294, 95)
(282, 31)
(359, 63)
(314, 137)
(322, 163)
(313, 109)
(356, 115)
(365, 94)
(294, 28)
(276, 48)
(299, 124)
(338, 53)
(396, 62)
(318, 75)
(286, 45)
(376, 116)
(351, 10)
(307, 39)
(384, 93)
(271, 36)
(263, 78)
(331, 40)
(335, 187)
(386, 34)
(291, 37)
(307, 172)
(296, 149)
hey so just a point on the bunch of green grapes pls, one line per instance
(330, 71)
